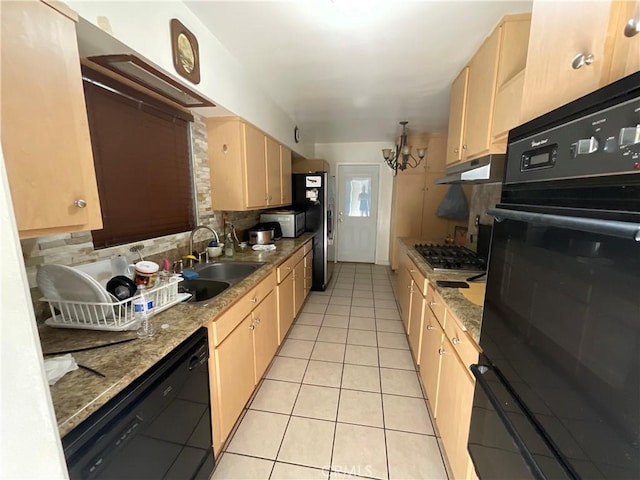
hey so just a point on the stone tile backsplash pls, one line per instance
(77, 248)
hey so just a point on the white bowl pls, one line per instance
(215, 251)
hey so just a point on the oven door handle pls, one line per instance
(611, 228)
(478, 371)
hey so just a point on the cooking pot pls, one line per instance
(261, 235)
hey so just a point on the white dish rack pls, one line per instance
(116, 316)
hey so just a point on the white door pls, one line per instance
(357, 212)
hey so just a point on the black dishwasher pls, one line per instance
(158, 427)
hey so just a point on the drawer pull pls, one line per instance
(252, 327)
(429, 327)
(432, 303)
(441, 351)
(580, 60)
(80, 203)
(455, 341)
(254, 300)
(632, 28)
(412, 270)
(257, 321)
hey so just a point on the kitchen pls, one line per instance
(241, 105)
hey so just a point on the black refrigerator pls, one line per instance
(313, 193)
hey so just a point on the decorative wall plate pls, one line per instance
(186, 56)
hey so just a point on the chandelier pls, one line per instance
(402, 157)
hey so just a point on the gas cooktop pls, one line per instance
(451, 258)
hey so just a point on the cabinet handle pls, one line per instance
(225, 148)
(464, 147)
(412, 270)
(288, 268)
(456, 150)
(441, 351)
(580, 60)
(257, 321)
(429, 327)
(432, 303)
(252, 327)
(80, 203)
(455, 341)
(253, 300)
(632, 28)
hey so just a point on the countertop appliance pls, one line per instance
(158, 427)
(451, 258)
(558, 383)
(311, 195)
(291, 222)
(264, 233)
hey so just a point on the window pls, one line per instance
(142, 160)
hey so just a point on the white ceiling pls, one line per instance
(350, 70)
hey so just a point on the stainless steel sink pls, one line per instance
(231, 272)
(202, 290)
(215, 278)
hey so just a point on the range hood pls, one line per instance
(488, 169)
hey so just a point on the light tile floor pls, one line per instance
(341, 399)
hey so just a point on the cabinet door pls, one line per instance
(255, 166)
(308, 273)
(265, 334)
(404, 295)
(430, 357)
(559, 32)
(285, 306)
(417, 315)
(45, 132)
(274, 175)
(298, 295)
(626, 55)
(285, 168)
(407, 210)
(483, 70)
(235, 374)
(457, 103)
(455, 396)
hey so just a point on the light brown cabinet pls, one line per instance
(45, 132)
(446, 353)
(293, 287)
(308, 273)
(265, 334)
(243, 341)
(416, 322)
(476, 89)
(416, 198)
(403, 294)
(286, 305)
(575, 48)
(299, 293)
(249, 170)
(457, 104)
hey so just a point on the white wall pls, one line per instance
(29, 441)
(366, 152)
(144, 28)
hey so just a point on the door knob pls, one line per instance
(80, 203)
(580, 60)
(632, 28)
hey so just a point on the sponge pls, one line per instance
(190, 275)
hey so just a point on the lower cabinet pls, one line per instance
(265, 334)
(308, 272)
(446, 351)
(432, 334)
(235, 377)
(416, 316)
(404, 295)
(299, 293)
(285, 305)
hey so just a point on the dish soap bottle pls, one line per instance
(229, 247)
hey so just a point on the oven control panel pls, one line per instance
(606, 142)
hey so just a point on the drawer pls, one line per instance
(462, 342)
(308, 261)
(231, 318)
(419, 279)
(288, 265)
(307, 247)
(436, 304)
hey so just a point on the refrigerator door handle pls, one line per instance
(478, 372)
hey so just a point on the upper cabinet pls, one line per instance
(476, 127)
(249, 170)
(45, 132)
(575, 48)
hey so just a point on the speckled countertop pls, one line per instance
(81, 392)
(468, 313)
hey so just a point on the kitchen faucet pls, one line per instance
(199, 227)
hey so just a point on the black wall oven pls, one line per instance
(558, 384)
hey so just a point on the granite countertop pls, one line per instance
(467, 312)
(80, 393)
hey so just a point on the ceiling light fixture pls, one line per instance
(402, 157)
